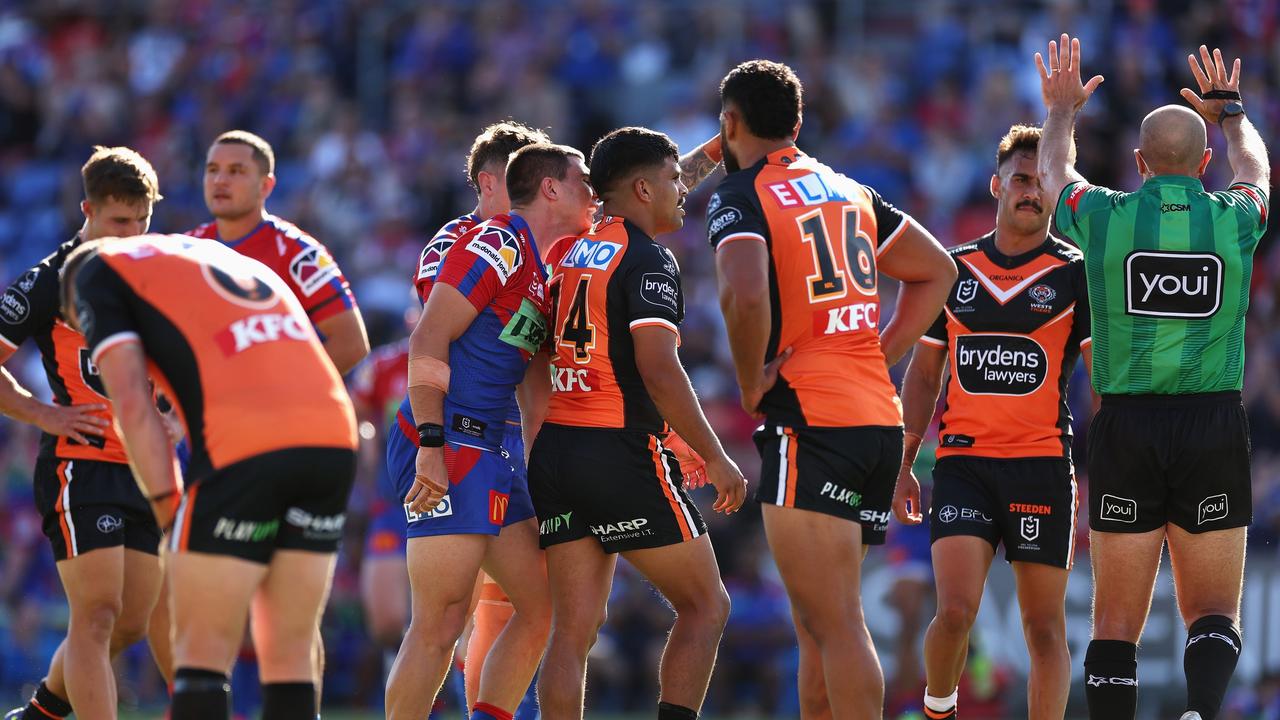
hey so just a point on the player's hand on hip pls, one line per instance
(730, 485)
(1060, 83)
(430, 481)
(906, 498)
(73, 421)
(751, 396)
(1212, 77)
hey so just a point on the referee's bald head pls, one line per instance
(1172, 141)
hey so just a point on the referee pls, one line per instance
(1168, 271)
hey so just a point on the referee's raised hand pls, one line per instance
(1216, 87)
(1060, 82)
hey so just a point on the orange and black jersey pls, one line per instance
(606, 284)
(824, 233)
(225, 338)
(1013, 328)
(29, 309)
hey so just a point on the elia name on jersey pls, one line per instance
(1172, 284)
(999, 364)
(500, 248)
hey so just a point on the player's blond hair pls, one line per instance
(1020, 138)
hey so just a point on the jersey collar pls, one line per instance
(988, 244)
(521, 226)
(1178, 180)
(785, 156)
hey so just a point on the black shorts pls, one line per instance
(622, 486)
(1181, 459)
(1029, 504)
(87, 505)
(293, 499)
(846, 472)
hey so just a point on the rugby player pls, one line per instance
(105, 541)
(491, 609)
(239, 176)
(485, 320)
(272, 451)
(1010, 333)
(798, 251)
(1168, 269)
(602, 479)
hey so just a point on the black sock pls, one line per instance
(1111, 680)
(1209, 659)
(289, 701)
(200, 695)
(44, 703)
(667, 711)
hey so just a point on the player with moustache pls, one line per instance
(798, 251)
(104, 539)
(481, 336)
(1010, 334)
(603, 479)
(1168, 268)
(258, 518)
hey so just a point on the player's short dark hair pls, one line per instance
(1020, 138)
(496, 143)
(620, 154)
(769, 96)
(530, 164)
(84, 252)
(263, 155)
(120, 173)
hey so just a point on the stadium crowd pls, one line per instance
(371, 106)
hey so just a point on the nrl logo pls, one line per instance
(966, 291)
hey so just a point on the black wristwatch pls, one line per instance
(430, 435)
(1230, 110)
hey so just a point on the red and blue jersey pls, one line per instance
(299, 259)
(497, 267)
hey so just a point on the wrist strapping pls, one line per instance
(1221, 95)
(429, 371)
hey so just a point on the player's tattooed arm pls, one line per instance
(699, 163)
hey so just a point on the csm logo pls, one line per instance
(1173, 284)
(257, 329)
(1118, 509)
(444, 509)
(1212, 508)
(591, 254)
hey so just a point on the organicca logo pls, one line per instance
(1173, 284)
(992, 364)
(257, 329)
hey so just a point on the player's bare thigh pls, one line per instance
(1124, 575)
(1208, 571)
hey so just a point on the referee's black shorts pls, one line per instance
(1181, 459)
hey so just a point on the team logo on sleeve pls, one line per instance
(14, 306)
(993, 364)
(28, 280)
(432, 255)
(714, 204)
(669, 264)
(500, 248)
(1172, 284)
(312, 269)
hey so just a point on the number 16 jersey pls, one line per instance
(824, 233)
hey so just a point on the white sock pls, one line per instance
(941, 704)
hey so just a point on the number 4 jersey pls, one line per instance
(824, 233)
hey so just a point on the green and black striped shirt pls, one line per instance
(1168, 271)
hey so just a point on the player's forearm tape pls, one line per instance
(428, 371)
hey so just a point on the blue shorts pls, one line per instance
(486, 491)
(386, 530)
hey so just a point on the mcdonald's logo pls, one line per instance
(498, 506)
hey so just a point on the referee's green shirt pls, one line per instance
(1168, 271)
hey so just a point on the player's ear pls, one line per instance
(86, 207)
(995, 186)
(640, 186)
(550, 188)
(796, 133)
(1143, 170)
(1204, 163)
(268, 184)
